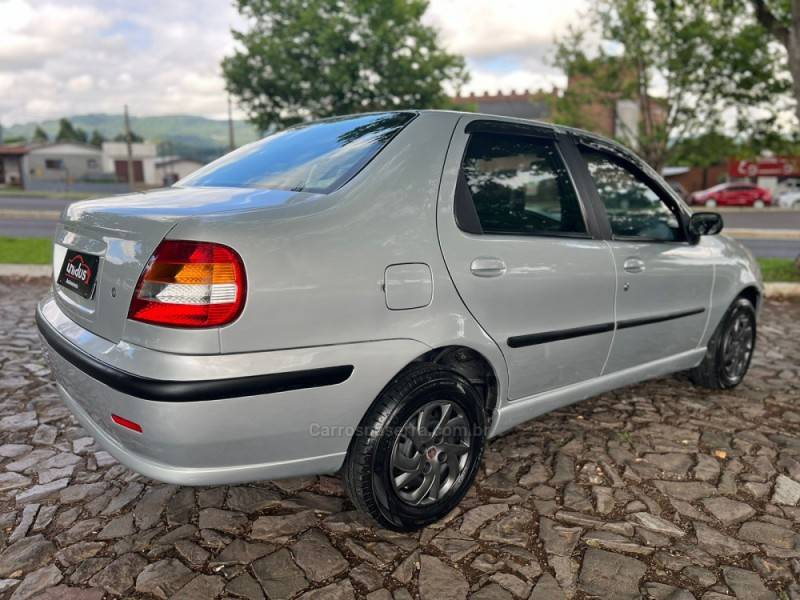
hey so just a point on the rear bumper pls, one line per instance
(220, 418)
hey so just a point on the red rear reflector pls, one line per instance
(126, 423)
(190, 284)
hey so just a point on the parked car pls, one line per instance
(379, 295)
(733, 194)
(789, 200)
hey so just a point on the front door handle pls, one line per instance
(486, 266)
(633, 265)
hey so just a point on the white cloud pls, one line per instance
(477, 28)
(65, 57)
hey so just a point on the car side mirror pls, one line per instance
(705, 223)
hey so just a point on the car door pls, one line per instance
(523, 253)
(663, 281)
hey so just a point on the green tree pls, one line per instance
(135, 137)
(781, 18)
(97, 139)
(67, 132)
(690, 66)
(318, 58)
(40, 136)
(15, 140)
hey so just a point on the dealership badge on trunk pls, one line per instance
(78, 273)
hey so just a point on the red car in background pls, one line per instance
(733, 194)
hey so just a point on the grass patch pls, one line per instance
(779, 269)
(39, 251)
(26, 251)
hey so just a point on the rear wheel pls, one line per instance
(418, 449)
(758, 203)
(730, 349)
(711, 203)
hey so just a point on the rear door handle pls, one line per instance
(633, 265)
(486, 266)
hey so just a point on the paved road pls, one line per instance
(766, 219)
(769, 219)
(42, 228)
(661, 490)
(25, 203)
(773, 248)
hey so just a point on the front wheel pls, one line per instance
(417, 451)
(711, 203)
(730, 349)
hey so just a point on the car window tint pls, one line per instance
(519, 185)
(316, 157)
(634, 208)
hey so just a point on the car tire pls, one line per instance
(390, 454)
(724, 364)
(711, 203)
(758, 204)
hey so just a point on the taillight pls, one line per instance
(190, 284)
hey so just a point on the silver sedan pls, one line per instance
(380, 294)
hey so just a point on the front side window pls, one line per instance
(634, 208)
(519, 185)
(315, 157)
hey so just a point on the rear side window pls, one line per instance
(519, 185)
(635, 208)
(317, 157)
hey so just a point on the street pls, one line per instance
(45, 210)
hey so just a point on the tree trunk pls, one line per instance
(793, 50)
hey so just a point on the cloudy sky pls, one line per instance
(65, 57)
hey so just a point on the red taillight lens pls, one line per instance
(190, 284)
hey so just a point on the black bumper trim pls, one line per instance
(189, 391)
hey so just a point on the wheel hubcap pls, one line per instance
(737, 347)
(430, 453)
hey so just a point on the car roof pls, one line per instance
(582, 134)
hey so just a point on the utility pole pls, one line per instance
(231, 141)
(130, 149)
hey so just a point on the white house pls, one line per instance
(64, 161)
(115, 160)
(172, 168)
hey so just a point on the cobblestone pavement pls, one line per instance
(660, 490)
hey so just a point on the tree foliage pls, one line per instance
(67, 132)
(40, 136)
(318, 58)
(692, 67)
(135, 137)
(781, 18)
(97, 139)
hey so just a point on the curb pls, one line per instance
(26, 272)
(782, 291)
(762, 234)
(18, 213)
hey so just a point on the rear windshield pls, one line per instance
(318, 157)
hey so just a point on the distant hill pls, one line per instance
(190, 136)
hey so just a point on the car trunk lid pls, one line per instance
(123, 232)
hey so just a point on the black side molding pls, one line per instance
(659, 319)
(190, 391)
(532, 339)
